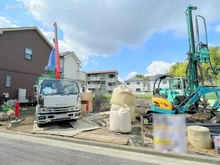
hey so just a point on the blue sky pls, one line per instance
(130, 36)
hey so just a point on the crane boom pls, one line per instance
(57, 68)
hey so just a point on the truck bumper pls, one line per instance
(43, 118)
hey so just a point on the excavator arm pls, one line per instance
(195, 96)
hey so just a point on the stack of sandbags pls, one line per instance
(122, 95)
(120, 120)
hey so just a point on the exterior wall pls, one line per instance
(23, 72)
(163, 84)
(71, 69)
(18, 80)
(133, 85)
(106, 82)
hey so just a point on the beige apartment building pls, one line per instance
(105, 80)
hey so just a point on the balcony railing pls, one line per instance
(93, 86)
(94, 78)
(110, 88)
(111, 79)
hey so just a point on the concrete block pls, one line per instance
(15, 123)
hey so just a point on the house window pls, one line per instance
(138, 89)
(128, 83)
(111, 76)
(8, 81)
(28, 53)
(138, 83)
(111, 84)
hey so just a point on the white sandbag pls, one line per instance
(131, 110)
(124, 119)
(115, 107)
(122, 95)
(132, 113)
(114, 118)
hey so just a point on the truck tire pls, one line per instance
(39, 125)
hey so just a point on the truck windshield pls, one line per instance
(63, 87)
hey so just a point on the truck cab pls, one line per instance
(57, 100)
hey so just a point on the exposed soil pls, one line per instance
(27, 117)
(142, 105)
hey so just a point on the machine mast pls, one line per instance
(191, 72)
(57, 67)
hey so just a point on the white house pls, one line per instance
(164, 83)
(71, 67)
(138, 86)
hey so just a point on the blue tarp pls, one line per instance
(51, 62)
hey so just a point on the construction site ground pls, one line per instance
(101, 133)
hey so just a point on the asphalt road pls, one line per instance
(16, 149)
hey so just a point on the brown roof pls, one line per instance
(27, 28)
(102, 71)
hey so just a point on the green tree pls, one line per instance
(179, 69)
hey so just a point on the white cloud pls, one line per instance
(158, 67)
(49, 34)
(94, 62)
(130, 75)
(5, 23)
(101, 28)
(64, 46)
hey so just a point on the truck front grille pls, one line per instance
(59, 109)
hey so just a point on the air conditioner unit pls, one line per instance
(22, 95)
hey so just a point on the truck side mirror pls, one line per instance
(35, 88)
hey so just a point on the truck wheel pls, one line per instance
(39, 125)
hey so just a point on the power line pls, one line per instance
(132, 28)
(145, 18)
(159, 34)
